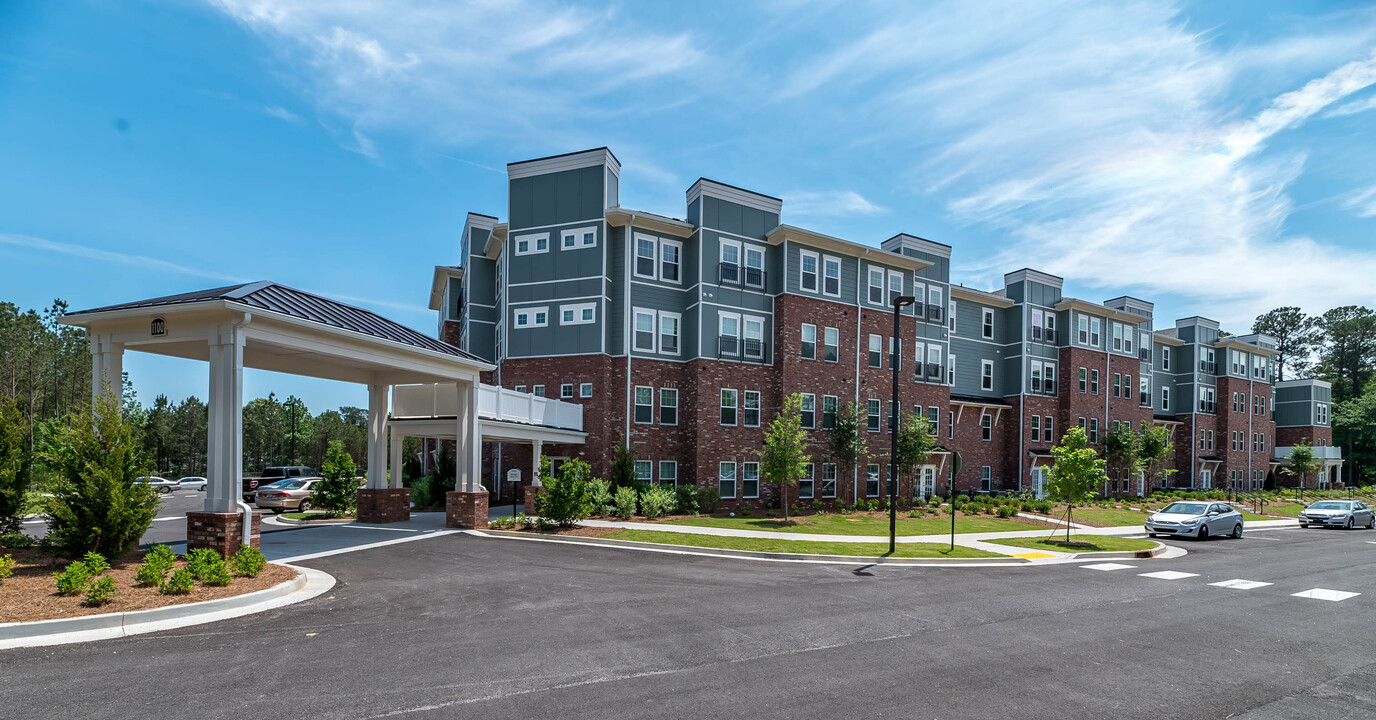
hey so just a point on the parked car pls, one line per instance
(1195, 519)
(284, 495)
(272, 475)
(193, 482)
(162, 485)
(1338, 513)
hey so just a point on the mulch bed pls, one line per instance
(30, 594)
(576, 531)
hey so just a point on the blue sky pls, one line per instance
(1216, 157)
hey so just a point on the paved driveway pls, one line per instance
(463, 626)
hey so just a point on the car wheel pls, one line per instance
(1303, 526)
(1349, 524)
(276, 511)
(1371, 523)
(201, 488)
(1151, 535)
(305, 506)
(164, 490)
(1237, 531)
(1203, 532)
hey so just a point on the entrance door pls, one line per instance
(1206, 479)
(1039, 481)
(926, 486)
(1141, 483)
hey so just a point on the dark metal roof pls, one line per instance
(1164, 417)
(273, 297)
(977, 400)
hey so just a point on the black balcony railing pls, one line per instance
(1207, 406)
(740, 275)
(934, 313)
(740, 348)
(1208, 368)
(1144, 354)
(933, 371)
(1144, 399)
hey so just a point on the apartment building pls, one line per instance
(683, 336)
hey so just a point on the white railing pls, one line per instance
(494, 403)
(1321, 452)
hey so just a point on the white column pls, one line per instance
(377, 426)
(535, 465)
(107, 365)
(468, 440)
(395, 456)
(225, 442)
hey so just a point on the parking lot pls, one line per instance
(1269, 626)
(169, 526)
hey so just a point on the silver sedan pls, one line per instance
(1198, 519)
(1338, 513)
(192, 482)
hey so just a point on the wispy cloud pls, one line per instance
(143, 262)
(1352, 108)
(282, 113)
(1362, 202)
(839, 203)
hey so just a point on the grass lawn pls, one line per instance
(1286, 509)
(1105, 517)
(858, 524)
(1099, 543)
(865, 549)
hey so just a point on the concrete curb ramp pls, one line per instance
(307, 584)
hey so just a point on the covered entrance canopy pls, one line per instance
(267, 326)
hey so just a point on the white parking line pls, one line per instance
(1168, 575)
(1322, 594)
(1108, 566)
(1240, 584)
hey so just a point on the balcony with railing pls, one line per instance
(934, 313)
(734, 348)
(933, 372)
(1208, 368)
(494, 403)
(1045, 387)
(740, 275)
(1208, 406)
(1144, 354)
(1043, 335)
(1144, 399)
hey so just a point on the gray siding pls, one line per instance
(555, 198)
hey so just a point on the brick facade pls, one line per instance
(384, 505)
(1313, 434)
(466, 510)
(222, 532)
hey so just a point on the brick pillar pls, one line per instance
(222, 532)
(384, 505)
(466, 510)
(530, 494)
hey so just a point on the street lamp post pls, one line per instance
(899, 303)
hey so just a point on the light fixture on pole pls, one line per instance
(895, 410)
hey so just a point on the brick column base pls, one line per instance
(384, 505)
(466, 510)
(531, 494)
(222, 532)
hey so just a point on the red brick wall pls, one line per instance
(1229, 422)
(1315, 434)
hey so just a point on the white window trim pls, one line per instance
(636, 405)
(895, 276)
(678, 333)
(670, 463)
(802, 339)
(660, 419)
(757, 479)
(532, 241)
(817, 272)
(822, 278)
(983, 375)
(659, 263)
(735, 478)
(577, 310)
(585, 390)
(654, 260)
(869, 288)
(577, 235)
(654, 330)
(530, 313)
(722, 244)
(986, 313)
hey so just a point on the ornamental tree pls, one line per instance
(1076, 470)
(915, 444)
(337, 492)
(784, 459)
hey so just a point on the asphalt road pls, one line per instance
(168, 526)
(461, 626)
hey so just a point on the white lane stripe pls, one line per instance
(1108, 566)
(367, 546)
(1322, 594)
(1240, 584)
(1168, 575)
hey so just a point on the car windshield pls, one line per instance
(1181, 508)
(288, 485)
(1328, 505)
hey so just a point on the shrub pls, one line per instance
(545, 523)
(217, 576)
(16, 540)
(624, 502)
(566, 499)
(100, 591)
(530, 522)
(6, 566)
(501, 523)
(156, 564)
(337, 492)
(248, 562)
(95, 562)
(685, 500)
(916, 513)
(872, 505)
(72, 579)
(204, 562)
(709, 498)
(1006, 511)
(600, 494)
(817, 506)
(657, 501)
(179, 582)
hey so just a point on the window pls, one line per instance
(754, 337)
(532, 244)
(809, 350)
(1094, 430)
(1049, 373)
(1166, 399)
(670, 260)
(807, 271)
(750, 479)
(532, 317)
(828, 412)
(726, 479)
(1036, 377)
(645, 256)
(729, 333)
(580, 314)
(934, 303)
(585, 390)
(831, 276)
(951, 316)
(872, 480)
(876, 286)
(1094, 326)
(1094, 382)
(579, 239)
(828, 480)
(831, 345)
(668, 406)
(1321, 413)
(986, 426)
(520, 388)
(933, 361)
(1047, 429)
(986, 476)
(644, 404)
(1117, 384)
(950, 369)
(933, 421)
(668, 472)
(537, 390)
(754, 267)
(1165, 358)
(896, 286)
(876, 350)
(987, 323)
(730, 262)
(1083, 335)
(645, 330)
(951, 424)
(809, 410)
(1118, 337)
(986, 374)
(728, 407)
(668, 333)
(566, 391)
(644, 471)
(752, 408)
(1144, 391)
(805, 488)
(1084, 380)
(1036, 324)
(1036, 428)
(872, 415)
(1127, 339)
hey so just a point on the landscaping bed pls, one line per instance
(860, 549)
(857, 524)
(1078, 543)
(31, 594)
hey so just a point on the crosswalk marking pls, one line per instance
(1240, 584)
(1323, 594)
(1169, 575)
(1108, 566)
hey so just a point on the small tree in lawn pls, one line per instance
(1075, 472)
(1123, 449)
(337, 492)
(623, 466)
(784, 459)
(846, 442)
(1153, 448)
(1302, 461)
(915, 444)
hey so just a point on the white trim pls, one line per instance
(636, 257)
(816, 273)
(532, 241)
(529, 315)
(823, 279)
(990, 375)
(578, 310)
(636, 314)
(678, 247)
(577, 235)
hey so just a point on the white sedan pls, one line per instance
(162, 485)
(193, 482)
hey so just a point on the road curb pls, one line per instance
(307, 584)
(750, 554)
(279, 520)
(1160, 549)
